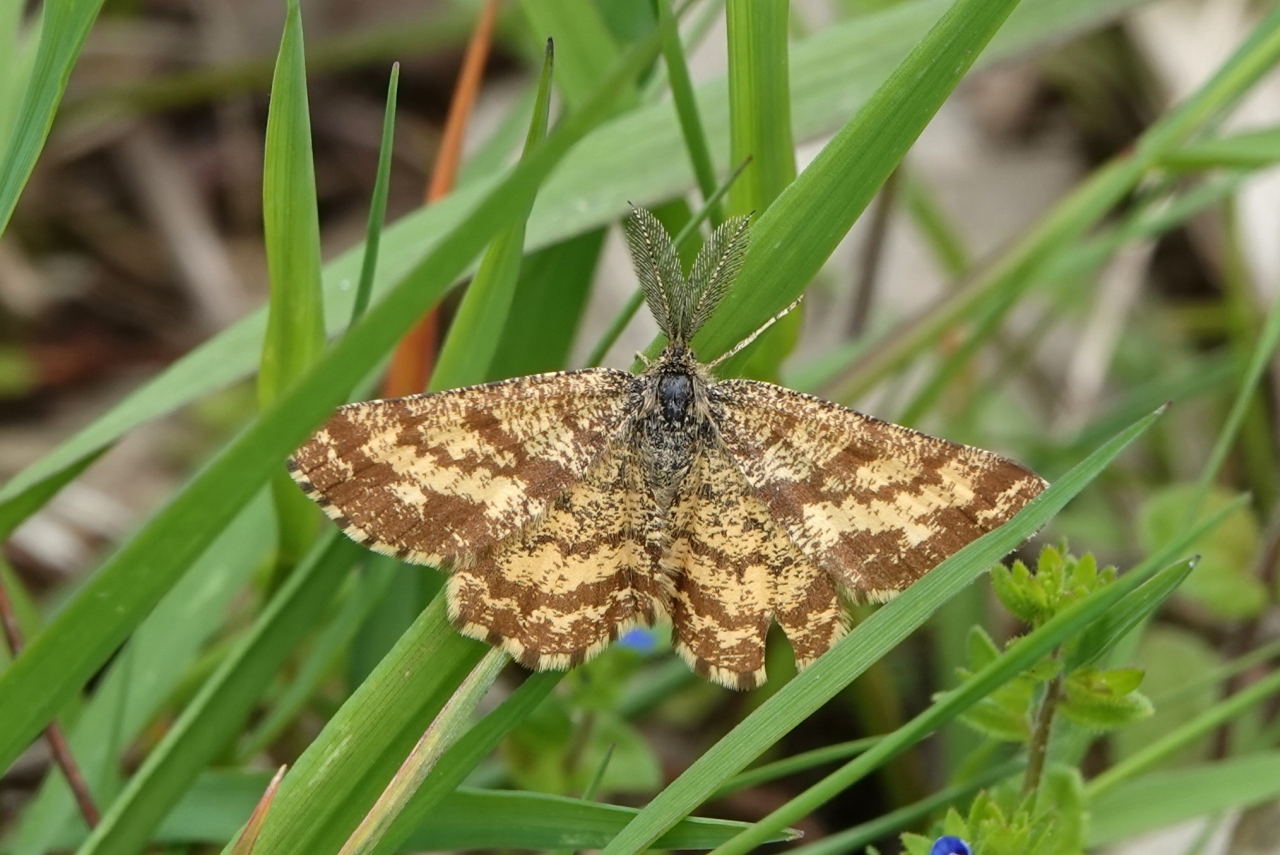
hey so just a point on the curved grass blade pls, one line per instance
(63, 29)
(378, 202)
(866, 644)
(295, 313)
(476, 331)
(214, 717)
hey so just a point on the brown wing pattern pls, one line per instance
(429, 478)
(874, 504)
(736, 571)
(560, 591)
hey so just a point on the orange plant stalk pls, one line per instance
(415, 355)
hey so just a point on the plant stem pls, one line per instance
(1038, 750)
(439, 735)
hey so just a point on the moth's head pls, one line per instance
(680, 304)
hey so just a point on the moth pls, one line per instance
(570, 507)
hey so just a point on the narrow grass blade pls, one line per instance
(220, 802)
(584, 44)
(63, 29)
(249, 836)
(797, 763)
(476, 331)
(759, 105)
(695, 136)
(798, 232)
(378, 202)
(448, 723)
(465, 754)
(54, 667)
(866, 644)
(213, 718)
(1166, 798)
(1253, 150)
(144, 675)
(295, 316)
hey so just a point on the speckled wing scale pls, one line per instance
(569, 507)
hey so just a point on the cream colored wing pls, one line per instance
(431, 478)
(736, 571)
(874, 504)
(556, 594)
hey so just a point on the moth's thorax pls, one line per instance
(674, 418)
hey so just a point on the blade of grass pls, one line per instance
(55, 665)
(295, 315)
(759, 104)
(866, 644)
(378, 202)
(144, 675)
(1167, 798)
(476, 330)
(63, 29)
(799, 231)
(448, 724)
(695, 137)
(797, 763)
(214, 717)
(639, 158)
(249, 836)
(465, 754)
(413, 361)
(1070, 219)
(467, 819)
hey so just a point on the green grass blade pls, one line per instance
(759, 105)
(465, 754)
(1253, 150)
(220, 802)
(63, 29)
(291, 224)
(866, 644)
(378, 202)
(1167, 798)
(585, 48)
(639, 157)
(798, 232)
(476, 331)
(143, 676)
(796, 763)
(53, 668)
(214, 717)
(695, 137)
(1130, 613)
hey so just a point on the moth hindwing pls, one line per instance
(570, 507)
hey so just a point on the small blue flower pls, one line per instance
(950, 845)
(640, 639)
